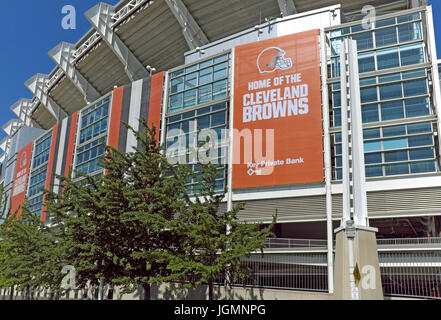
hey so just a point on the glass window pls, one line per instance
(421, 153)
(392, 110)
(368, 94)
(205, 94)
(423, 140)
(424, 166)
(368, 81)
(419, 128)
(389, 78)
(394, 131)
(337, 98)
(407, 18)
(337, 117)
(417, 107)
(191, 80)
(366, 62)
(415, 87)
(335, 67)
(372, 146)
(371, 133)
(412, 54)
(410, 32)
(383, 23)
(385, 37)
(414, 74)
(219, 89)
(374, 171)
(189, 98)
(369, 113)
(364, 40)
(177, 85)
(397, 143)
(335, 46)
(390, 91)
(218, 119)
(372, 158)
(387, 58)
(397, 168)
(220, 71)
(205, 76)
(395, 156)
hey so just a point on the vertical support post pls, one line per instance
(327, 159)
(345, 135)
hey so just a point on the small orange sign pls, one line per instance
(277, 112)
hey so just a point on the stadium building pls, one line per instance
(238, 67)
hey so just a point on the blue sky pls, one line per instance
(30, 28)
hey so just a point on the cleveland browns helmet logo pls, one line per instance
(271, 59)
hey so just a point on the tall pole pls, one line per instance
(327, 160)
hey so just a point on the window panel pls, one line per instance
(219, 89)
(189, 98)
(391, 91)
(422, 153)
(417, 107)
(420, 167)
(205, 76)
(372, 158)
(419, 128)
(385, 37)
(415, 87)
(423, 140)
(370, 113)
(374, 171)
(411, 54)
(191, 80)
(337, 117)
(371, 133)
(397, 143)
(364, 40)
(395, 156)
(368, 94)
(388, 58)
(370, 146)
(392, 110)
(366, 62)
(410, 32)
(394, 131)
(205, 94)
(397, 168)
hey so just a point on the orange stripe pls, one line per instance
(115, 117)
(155, 104)
(49, 169)
(71, 144)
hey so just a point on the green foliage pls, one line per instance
(212, 241)
(117, 223)
(30, 254)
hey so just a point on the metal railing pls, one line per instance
(414, 274)
(273, 243)
(408, 241)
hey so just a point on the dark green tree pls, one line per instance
(30, 255)
(115, 225)
(212, 241)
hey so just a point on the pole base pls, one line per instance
(368, 286)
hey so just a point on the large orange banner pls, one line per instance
(21, 174)
(277, 112)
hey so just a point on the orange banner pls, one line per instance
(21, 174)
(277, 112)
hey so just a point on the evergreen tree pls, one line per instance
(212, 242)
(116, 224)
(30, 255)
